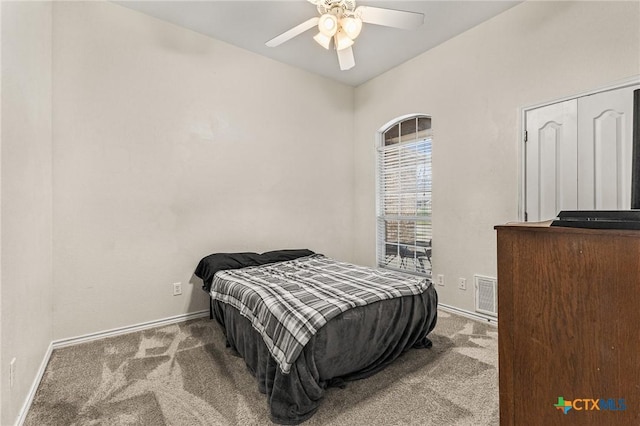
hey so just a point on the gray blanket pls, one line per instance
(354, 344)
(288, 302)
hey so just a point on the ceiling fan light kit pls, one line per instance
(328, 24)
(351, 26)
(342, 40)
(323, 40)
(343, 30)
(342, 21)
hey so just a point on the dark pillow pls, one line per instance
(213, 263)
(283, 255)
(209, 265)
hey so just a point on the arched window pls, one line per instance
(404, 195)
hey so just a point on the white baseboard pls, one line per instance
(468, 314)
(127, 329)
(34, 386)
(56, 344)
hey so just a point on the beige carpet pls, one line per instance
(183, 375)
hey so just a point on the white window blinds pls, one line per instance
(404, 197)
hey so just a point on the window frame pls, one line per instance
(417, 254)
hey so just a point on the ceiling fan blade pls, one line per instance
(293, 32)
(345, 59)
(390, 17)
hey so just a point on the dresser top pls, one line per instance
(538, 227)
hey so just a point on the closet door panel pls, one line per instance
(551, 160)
(605, 150)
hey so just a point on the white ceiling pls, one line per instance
(249, 24)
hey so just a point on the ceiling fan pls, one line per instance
(341, 21)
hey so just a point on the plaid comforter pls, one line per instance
(288, 302)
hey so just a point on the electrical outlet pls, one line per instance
(12, 372)
(440, 279)
(462, 283)
(177, 289)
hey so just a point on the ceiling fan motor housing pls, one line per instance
(337, 7)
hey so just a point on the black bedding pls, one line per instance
(208, 266)
(353, 345)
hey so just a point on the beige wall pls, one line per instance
(168, 146)
(474, 86)
(26, 190)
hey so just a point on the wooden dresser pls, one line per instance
(569, 325)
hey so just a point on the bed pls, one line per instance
(304, 322)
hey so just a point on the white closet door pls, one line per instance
(605, 150)
(551, 160)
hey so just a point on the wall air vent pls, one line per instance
(486, 295)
